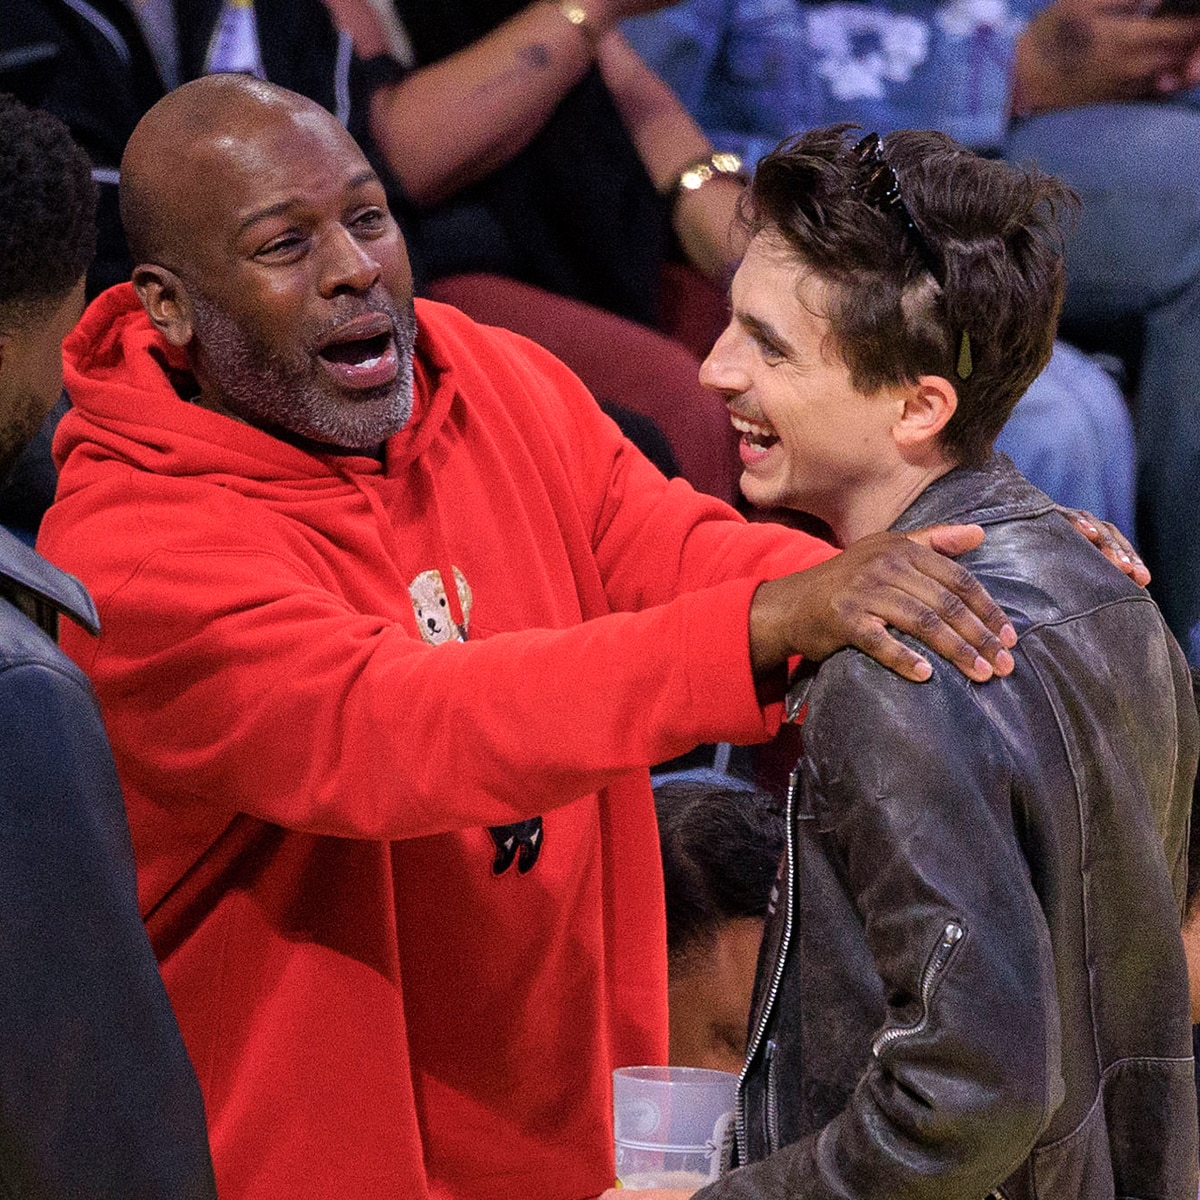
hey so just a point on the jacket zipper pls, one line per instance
(952, 934)
(776, 977)
(772, 1096)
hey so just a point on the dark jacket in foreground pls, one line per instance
(98, 1100)
(973, 983)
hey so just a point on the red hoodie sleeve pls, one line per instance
(232, 677)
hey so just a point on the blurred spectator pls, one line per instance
(100, 65)
(1084, 79)
(532, 143)
(98, 1100)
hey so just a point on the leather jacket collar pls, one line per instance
(41, 590)
(979, 496)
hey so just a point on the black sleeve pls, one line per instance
(97, 1096)
(91, 68)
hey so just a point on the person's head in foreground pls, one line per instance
(47, 237)
(288, 286)
(721, 841)
(897, 299)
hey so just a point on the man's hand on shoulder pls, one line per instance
(1110, 541)
(907, 582)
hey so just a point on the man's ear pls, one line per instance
(928, 406)
(165, 299)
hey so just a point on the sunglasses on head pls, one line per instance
(879, 186)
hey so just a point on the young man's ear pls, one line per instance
(166, 302)
(928, 406)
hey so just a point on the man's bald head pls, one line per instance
(166, 167)
(264, 249)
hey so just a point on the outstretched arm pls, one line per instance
(668, 140)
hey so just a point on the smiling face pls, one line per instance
(810, 440)
(294, 291)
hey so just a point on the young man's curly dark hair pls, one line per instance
(994, 233)
(47, 212)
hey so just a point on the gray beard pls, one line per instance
(289, 394)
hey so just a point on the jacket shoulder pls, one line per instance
(38, 591)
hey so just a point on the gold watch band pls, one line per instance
(695, 174)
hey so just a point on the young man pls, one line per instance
(973, 983)
(97, 1098)
(1098, 92)
(394, 622)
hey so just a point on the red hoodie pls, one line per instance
(325, 677)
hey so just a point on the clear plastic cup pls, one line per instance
(671, 1125)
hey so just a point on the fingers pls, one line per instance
(1172, 35)
(1154, 48)
(894, 654)
(949, 539)
(1123, 55)
(967, 593)
(1110, 541)
(880, 581)
(944, 606)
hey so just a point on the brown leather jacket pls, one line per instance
(973, 982)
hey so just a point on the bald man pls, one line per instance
(393, 623)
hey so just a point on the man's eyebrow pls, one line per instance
(365, 176)
(764, 333)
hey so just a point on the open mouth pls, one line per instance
(362, 353)
(756, 434)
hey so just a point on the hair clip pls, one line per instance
(965, 365)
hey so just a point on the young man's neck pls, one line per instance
(877, 506)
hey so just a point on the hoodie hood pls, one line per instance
(118, 370)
